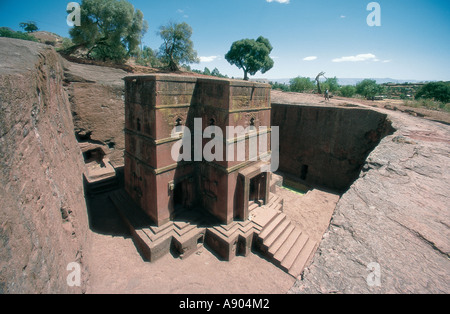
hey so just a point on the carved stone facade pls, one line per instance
(157, 106)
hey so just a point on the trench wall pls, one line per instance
(327, 146)
(43, 219)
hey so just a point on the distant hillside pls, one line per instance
(354, 81)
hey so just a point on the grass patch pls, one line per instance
(428, 104)
(299, 192)
(295, 186)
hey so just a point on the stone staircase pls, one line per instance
(275, 202)
(282, 241)
(269, 230)
(231, 240)
(154, 242)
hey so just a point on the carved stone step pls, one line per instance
(287, 245)
(271, 226)
(295, 250)
(276, 233)
(304, 257)
(281, 239)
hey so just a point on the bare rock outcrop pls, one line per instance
(49, 38)
(43, 219)
(96, 96)
(390, 232)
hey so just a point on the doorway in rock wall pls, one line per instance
(252, 190)
(257, 189)
(183, 195)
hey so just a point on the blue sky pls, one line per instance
(308, 36)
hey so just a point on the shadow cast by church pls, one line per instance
(102, 214)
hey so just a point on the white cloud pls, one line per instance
(279, 1)
(343, 16)
(387, 61)
(357, 58)
(311, 58)
(180, 11)
(209, 59)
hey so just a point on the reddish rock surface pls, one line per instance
(326, 145)
(115, 265)
(396, 214)
(96, 96)
(311, 212)
(43, 221)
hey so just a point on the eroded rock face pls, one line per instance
(395, 215)
(327, 145)
(97, 101)
(43, 219)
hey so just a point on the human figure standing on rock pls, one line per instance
(327, 95)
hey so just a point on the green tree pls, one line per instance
(7, 32)
(319, 89)
(206, 71)
(148, 57)
(280, 86)
(251, 56)
(66, 44)
(368, 88)
(177, 47)
(301, 84)
(347, 91)
(331, 84)
(217, 73)
(439, 91)
(29, 27)
(110, 29)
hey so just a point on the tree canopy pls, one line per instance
(177, 47)
(7, 32)
(439, 91)
(148, 57)
(217, 73)
(319, 89)
(280, 86)
(347, 91)
(29, 27)
(251, 55)
(331, 84)
(368, 88)
(301, 84)
(207, 71)
(110, 29)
